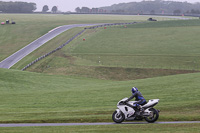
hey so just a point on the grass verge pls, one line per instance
(32, 97)
(138, 128)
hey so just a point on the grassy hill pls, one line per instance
(68, 85)
(34, 97)
(125, 128)
(29, 27)
(137, 51)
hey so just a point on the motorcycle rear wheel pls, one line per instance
(118, 117)
(154, 116)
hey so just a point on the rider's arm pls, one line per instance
(134, 94)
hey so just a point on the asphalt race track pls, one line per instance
(14, 58)
(87, 124)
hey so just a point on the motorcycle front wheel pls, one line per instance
(153, 116)
(118, 117)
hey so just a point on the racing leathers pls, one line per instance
(139, 98)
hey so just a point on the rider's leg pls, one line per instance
(141, 102)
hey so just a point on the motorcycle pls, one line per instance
(127, 112)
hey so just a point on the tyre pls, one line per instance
(118, 117)
(153, 117)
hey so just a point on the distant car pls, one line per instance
(151, 19)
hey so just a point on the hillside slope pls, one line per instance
(154, 7)
(137, 51)
(34, 97)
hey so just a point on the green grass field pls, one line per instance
(31, 26)
(84, 81)
(149, 45)
(138, 128)
(146, 50)
(34, 97)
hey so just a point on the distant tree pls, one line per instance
(78, 10)
(85, 9)
(119, 11)
(101, 10)
(188, 11)
(195, 11)
(95, 10)
(152, 12)
(153, 6)
(192, 11)
(54, 9)
(17, 7)
(177, 12)
(45, 8)
(1, 8)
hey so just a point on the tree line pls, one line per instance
(46, 8)
(22, 7)
(88, 10)
(155, 7)
(17, 7)
(146, 7)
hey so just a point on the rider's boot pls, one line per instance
(140, 109)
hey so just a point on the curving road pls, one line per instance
(14, 58)
(87, 124)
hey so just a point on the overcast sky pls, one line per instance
(70, 5)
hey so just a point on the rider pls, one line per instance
(138, 97)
